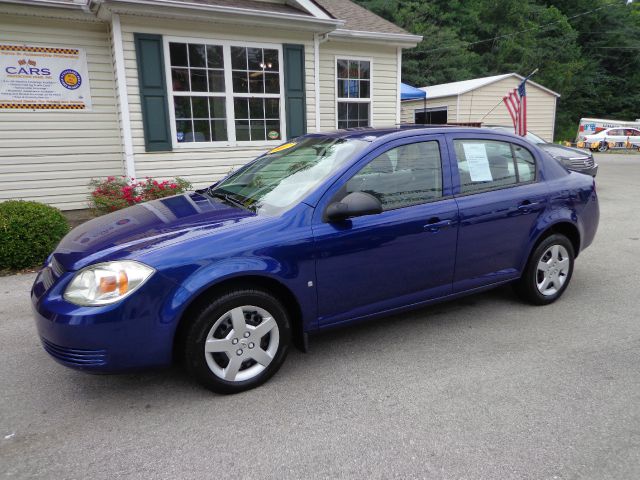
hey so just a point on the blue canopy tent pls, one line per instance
(407, 92)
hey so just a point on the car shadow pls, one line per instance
(325, 347)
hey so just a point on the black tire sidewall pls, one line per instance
(527, 286)
(194, 356)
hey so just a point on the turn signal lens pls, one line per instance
(106, 283)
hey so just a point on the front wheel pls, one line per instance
(238, 341)
(548, 271)
(603, 147)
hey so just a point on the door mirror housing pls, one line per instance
(356, 204)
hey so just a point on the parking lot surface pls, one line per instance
(483, 387)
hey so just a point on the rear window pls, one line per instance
(488, 165)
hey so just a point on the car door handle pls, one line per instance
(527, 206)
(435, 224)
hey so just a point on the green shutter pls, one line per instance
(153, 92)
(295, 102)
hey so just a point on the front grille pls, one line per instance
(76, 356)
(46, 277)
(582, 162)
(51, 273)
(56, 267)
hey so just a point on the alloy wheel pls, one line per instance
(242, 343)
(553, 270)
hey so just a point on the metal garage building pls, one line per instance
(480, 100)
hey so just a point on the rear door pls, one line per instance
(633, 135)
(500, 197)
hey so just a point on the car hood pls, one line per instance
(559, 151)
(146, 226)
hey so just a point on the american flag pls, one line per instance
(516, 102)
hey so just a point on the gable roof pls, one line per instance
(338, 18)
(274, 7)
(464, 86)
(359, 18)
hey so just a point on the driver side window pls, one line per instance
(402, 176)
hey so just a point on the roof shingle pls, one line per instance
(358, 18)
(272, 7)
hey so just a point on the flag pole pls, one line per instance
(530, 75)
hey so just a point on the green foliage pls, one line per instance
(592, 60)
(29, 232)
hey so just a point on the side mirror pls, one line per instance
(356, 204)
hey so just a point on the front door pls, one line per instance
(401, 256)
(499, 199)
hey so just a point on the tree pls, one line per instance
(584, 49)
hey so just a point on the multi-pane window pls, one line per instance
(488, 165)
(197, 81)
(224, 92)
(256, 93)
(353, 93)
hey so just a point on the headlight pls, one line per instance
(105, 283)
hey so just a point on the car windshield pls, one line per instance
(279, 179)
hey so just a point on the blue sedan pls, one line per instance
(322, 231)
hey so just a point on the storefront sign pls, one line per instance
(43, 78)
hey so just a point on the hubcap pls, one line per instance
(241, 343)
(553, 269)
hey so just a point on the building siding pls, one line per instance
(201, 165)
(475, 106)
(51, 156)
(384, 81)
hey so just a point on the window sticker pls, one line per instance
(282, 147)
(476, 155)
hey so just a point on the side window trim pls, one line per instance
(336, 186)
(455, 175)
(394, 152)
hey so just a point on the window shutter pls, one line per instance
(295, 101)
(153, 92)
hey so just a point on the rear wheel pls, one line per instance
(238, 341)
(548, 271)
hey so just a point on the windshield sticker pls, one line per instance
(476, 155)
(284, 146)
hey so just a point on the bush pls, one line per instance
(29, 232)
(115, 193)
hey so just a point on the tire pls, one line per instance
(603, 147)
(238, 341)
(539, 287)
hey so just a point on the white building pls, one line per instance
(163, 88)
(480, 101)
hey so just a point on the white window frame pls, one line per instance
(228, 94)
(436, 108)
(353, 100)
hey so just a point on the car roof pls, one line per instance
(372, 134)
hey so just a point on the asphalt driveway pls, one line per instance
(484, 387)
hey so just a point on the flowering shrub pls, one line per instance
(115, 193)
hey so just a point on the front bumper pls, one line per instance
(133, 334)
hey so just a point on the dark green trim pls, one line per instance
(153, 92)
(294, 90)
